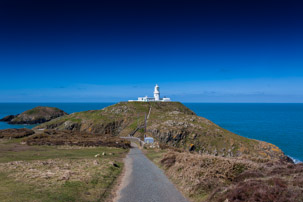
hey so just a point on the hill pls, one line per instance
(35, 116)
(170, 123)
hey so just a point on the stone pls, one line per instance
(114, 164)
(8, 118)
(66, 175)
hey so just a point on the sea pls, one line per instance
(279, 124)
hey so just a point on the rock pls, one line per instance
(69, 125)
(191, 147)
(8, 118)
(114, 164)
(66, 175)
(95, 162)
(37, 115)
(48, 174)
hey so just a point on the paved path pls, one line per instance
(145, 182)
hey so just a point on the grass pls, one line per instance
(216, 179)
(154, 155)
(182, 167)
(40, 109)
(8, 153)
(49, 173)
(171, 123)
(31, 111)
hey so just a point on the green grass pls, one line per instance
(32, 111)
(96, 188)
(154, 155)
(12, 190)
(51, 152)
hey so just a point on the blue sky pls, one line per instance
(197, 51)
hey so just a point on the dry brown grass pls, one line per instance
(51, 172)
(222, 179)
(199, 175)
(64, 173)
(274, 189)
(15, 133)
(75, 138)
(57, 173)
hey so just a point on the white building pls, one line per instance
(156, 97)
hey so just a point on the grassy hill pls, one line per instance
(37, 115)
(170, 123)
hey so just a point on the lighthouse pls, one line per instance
(157, 93)
(156, 97)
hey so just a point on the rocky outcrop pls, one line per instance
(170, 123)
(35, 116)
(188, 131)
(8, 118)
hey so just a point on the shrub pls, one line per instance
(169, 160)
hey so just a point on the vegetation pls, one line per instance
(35, 115)
(57, 173)
(206, 162)
(170, 123)
(220, 179)
(75, 138)
(16, 133)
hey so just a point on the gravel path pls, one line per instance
(145, 182)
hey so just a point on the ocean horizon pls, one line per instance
(277, 123)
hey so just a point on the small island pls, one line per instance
(35, 116)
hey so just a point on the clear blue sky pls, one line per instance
(197, 51)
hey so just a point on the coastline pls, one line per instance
(248, 120)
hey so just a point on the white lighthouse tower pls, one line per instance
(156, 97)
(157, 93)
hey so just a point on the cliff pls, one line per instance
(35, 116)
(170, 123)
